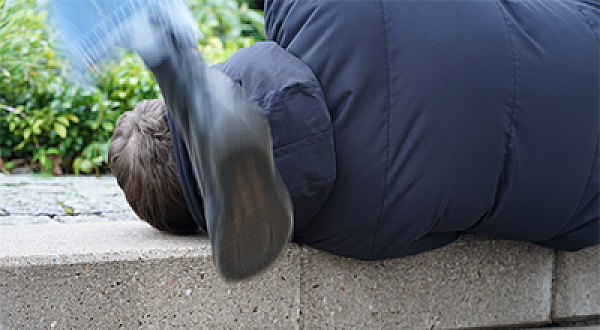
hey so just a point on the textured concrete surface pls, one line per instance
(127, 275)
(568, 327)
(577, 284)
(73, 255)
(474, 282)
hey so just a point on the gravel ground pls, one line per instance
(35, 199)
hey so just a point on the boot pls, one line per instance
(247, 206)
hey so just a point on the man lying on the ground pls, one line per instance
(399, 125)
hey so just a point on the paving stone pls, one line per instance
(30, 200)
(474, 282)
(60, 196)
(104, 196)
(25, 220)
(577, 284)
(102, 217)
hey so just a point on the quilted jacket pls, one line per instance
(399, 125)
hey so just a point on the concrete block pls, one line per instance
(574, 327)
(577, 284)
(108, 275)
(474, 282)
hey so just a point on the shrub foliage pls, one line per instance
(52, 125)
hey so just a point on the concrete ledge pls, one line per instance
(475, 282)
(127, 275)
(577, 285)
(72, 258)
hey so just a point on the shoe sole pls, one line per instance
(246, 204)
(256, 219)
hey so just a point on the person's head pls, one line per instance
(141, 158)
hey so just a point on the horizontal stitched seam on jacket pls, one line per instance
(306, 141)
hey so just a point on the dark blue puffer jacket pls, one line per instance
(433, 118)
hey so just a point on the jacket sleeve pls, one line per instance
(291, 98)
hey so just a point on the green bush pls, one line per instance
(227, 19)
(55, 126)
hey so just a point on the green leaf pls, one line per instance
(77, 166)
(86, 166)
(98, 160)
(119, 94)
(108, 126)
(20, 145)
(72, 117)
(46, 163)
(37, 156)
(67, 209)
(63, 120)
(61, 130)
(26, 133)
(36, 126)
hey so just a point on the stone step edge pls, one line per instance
(117, 241)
